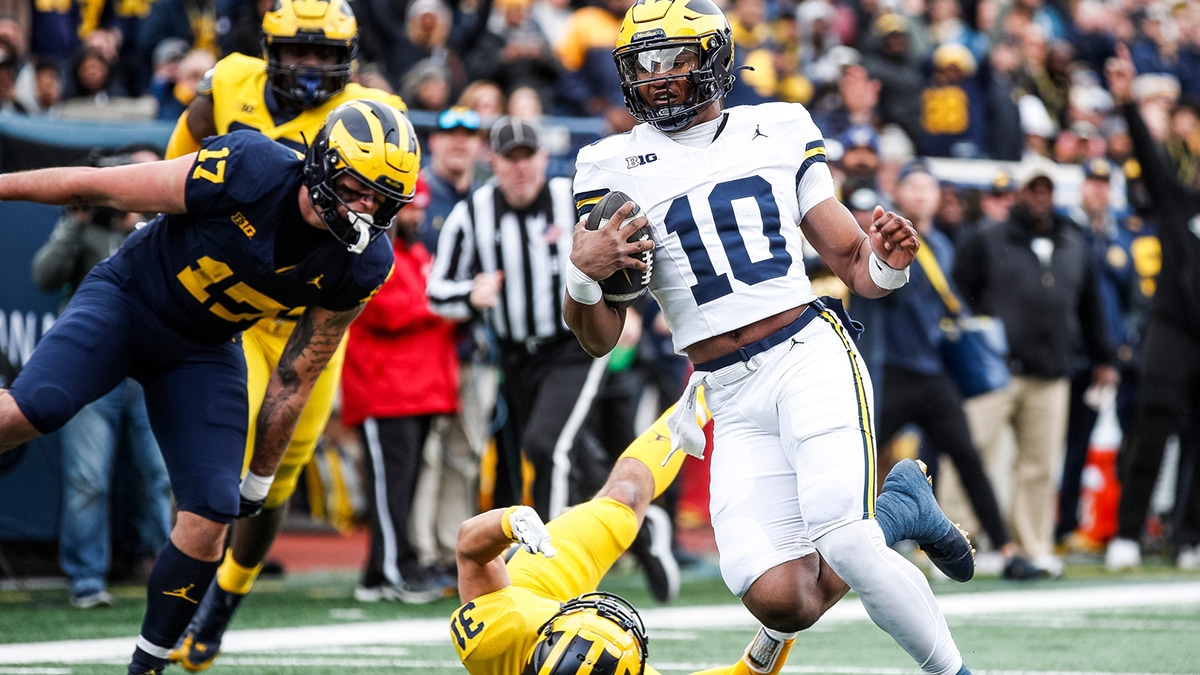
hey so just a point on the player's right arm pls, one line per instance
(595, 255)
(148, 187)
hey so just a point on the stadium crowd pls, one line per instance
(987, 123)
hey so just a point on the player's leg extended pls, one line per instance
(252, 537)
(87, 352)
(826, 428)
(592, 536)
(202, 449)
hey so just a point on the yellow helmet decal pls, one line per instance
(332, 20)
(388, 157)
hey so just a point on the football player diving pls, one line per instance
(244, 230)
(540, 614)
(308, 50)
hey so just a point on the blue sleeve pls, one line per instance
(238, 168)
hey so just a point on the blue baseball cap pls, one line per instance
(860, 136)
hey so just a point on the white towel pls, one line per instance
(687, 423)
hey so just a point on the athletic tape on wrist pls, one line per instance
(505, 525)
(255, 487)
(584, 289)
(885, 276)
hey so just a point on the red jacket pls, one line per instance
(401, 357)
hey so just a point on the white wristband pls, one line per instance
(255, 487)
(885, 276)
(584, 289)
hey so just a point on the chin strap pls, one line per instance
(361, 223)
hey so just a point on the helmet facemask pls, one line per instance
(304, 85)
(375, 145)
(313, 24)
(356, 229)
(654, 35)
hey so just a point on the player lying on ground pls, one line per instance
(513, 619)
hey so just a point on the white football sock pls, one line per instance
(895, 593)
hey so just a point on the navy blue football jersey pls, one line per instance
(212, 272)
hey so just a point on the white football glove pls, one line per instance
(529, 531)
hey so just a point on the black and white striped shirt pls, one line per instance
(484, 234)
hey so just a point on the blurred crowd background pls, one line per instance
(968, 93)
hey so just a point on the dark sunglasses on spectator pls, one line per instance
(456, 117)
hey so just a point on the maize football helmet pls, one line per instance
(656, 39)
(309, 22)
(375, 144)
(594, 634)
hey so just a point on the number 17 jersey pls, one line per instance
(727, 246)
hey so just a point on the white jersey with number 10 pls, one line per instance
(725, 217)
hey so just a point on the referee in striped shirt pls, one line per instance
(499, 255)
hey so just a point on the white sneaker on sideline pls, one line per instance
(1122, 554)
(1051, 563)
(1188, 558)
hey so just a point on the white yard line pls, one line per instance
(435, 631)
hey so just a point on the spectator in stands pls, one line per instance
(1015, 17)
(1034, 272)
(189, 71)
(1092, 38)
(855, 104)
(194, 21)
(396, 37)
(1171, 366)
(525, 103)
(486, 98)
(91, 74)
(821, 53)
(515, 52)
(91, 441)
(454, 148)
(1005, 138)
(590, 85)
(860, 160)
(950, 219)
(48, 88)
(1120, 258)
(238, 25)
(427, 85)
(401, 371)
(953, 113)
(996, 203)
(167, 56)
(899, 73)
(9, 66)
(916, 388)
(945, 25)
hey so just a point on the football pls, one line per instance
(626, 285)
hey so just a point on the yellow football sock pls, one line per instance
(651, 448)
(235, 578)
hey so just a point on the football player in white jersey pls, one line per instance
(793, 465)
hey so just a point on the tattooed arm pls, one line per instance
(311, 345)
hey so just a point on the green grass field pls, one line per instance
(306, 624)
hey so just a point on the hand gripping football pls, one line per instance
(626, 285)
